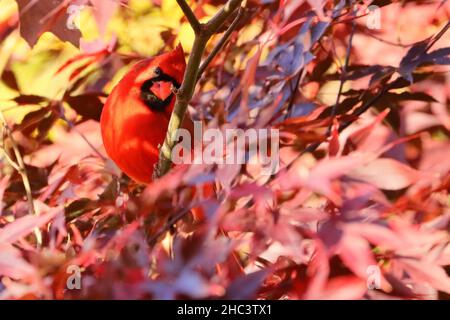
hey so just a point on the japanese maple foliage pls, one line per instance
(362, 190)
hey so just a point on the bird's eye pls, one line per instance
(157, 71)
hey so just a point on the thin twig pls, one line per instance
(349, 19)
(334, 52)
(186, 91)
(73, 127)
(359, 111)
(5, 154)
(172, 220)
(21, 169)
(438, 35)
(343, 74)
(190, 15)
(391, 43)
(294, 91)
(221, 43)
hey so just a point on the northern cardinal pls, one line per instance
(136, 114)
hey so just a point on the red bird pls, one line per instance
(136, 114)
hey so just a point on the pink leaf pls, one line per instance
(427, 272)
(322, 175)
(356, 254)
(433, 153)
(103, 11)
(344, 288)
(334, 139)
(23, 226)
(371, 136)
(317, 5)
(387, 174)
(376, 234)
(319, 179)
(318, 270)
(37, 17)
(12, 264)
(71, 147)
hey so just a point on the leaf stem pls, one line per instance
(19, 165)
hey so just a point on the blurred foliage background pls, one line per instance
(372, 191)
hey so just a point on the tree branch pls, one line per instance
(216, 22)
(187, 88)
(193, 21)
(343, 74)
(294, 92)
(220, 44)
(21, 169)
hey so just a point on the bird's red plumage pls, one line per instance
(131, 129)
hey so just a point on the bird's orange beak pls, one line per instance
(162, 89)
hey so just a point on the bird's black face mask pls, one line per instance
(157, 92)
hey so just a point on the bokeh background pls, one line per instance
(368, 207)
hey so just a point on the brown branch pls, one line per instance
(186, 91)
(359, 111)
(294, 92)
(190, 16)
(74, 128)
(19, 165)
(438, 35)
(221, 43)
(342, 80)
(216, 22)
(172, 220)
